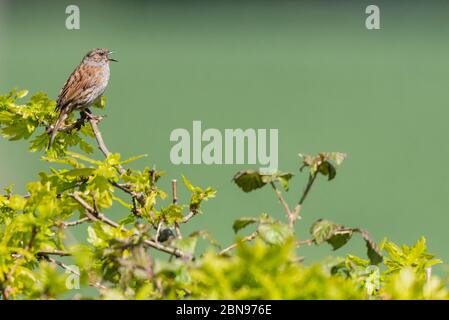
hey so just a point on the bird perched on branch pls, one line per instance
(84, 87)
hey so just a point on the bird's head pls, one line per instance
(100, 55)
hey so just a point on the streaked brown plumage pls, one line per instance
(84, 87)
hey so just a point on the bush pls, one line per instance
(119, 259)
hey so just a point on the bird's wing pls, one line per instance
(76, 88)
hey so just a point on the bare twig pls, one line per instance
(175, 201)
(312, 178)
(75, 125)
(153, 177)
(158, 232)
(174, 191)
(101, 145)
(173, 251)
(127, 189)
(97, 285)
(235, 245)
(53, 253)
(309, 185)
(66, 224)
(291, 217)
(188, 217)
(302, 243)
(91, 213)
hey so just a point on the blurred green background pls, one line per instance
(310, 69)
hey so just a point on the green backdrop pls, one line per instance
(310, 69)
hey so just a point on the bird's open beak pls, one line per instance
(111, 59)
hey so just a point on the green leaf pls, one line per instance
(415, 257)
(186, 245)
(21, 94)
(134, 159)
(83, 158)
(242, 223)
(324, 163)
(82, 172)
(94, 239)
(171, 214)
(123, 203)
(130, 218)
(100, 103)
(327, 169)
(249, 180)
(189, 186)
(198, 195)
(323, 230)
(339, 239)
(374, 255)
(206, 236)
(337, 236)
(337, 157)
(274, 233)
(87, 148)
(284, 178)
(16, 202)
(39, 143)
(334, 234)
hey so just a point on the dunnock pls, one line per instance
(84, 87)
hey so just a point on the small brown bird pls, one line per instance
(84, 87)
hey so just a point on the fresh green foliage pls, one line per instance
(262, 271)
(415, 257)
(324, 163)
(145, 255)
(249, 180)
(405, 273)
(23, 121)
(337, 236)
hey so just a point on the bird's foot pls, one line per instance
(87, 114)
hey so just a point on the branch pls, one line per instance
(309, 185)
(188, 217)
(97, 285)
(175, 201)
(173, 251)
(66, 224)
(235, 245)
(53, 253)
(174, 191)
(291, 217)
(302, 243)
(101, 145)
(92, 214)
(76, 125)
(98, 216)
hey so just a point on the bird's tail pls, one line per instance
(59, 122)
